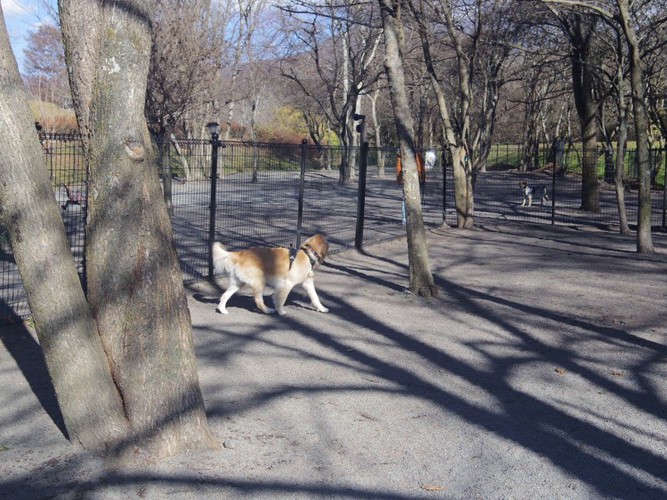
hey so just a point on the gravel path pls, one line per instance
(539, 372)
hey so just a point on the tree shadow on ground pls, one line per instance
(608, 462)
(594, 455)
(29, 358)
(527, 421)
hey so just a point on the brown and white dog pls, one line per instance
(272, 266)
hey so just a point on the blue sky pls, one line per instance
(22, 17)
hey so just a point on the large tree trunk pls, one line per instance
(347, 159)
(344, 170)
(89, 401)
(134, 281)
(590, 192)
(581, 29)
(421, 279)
(644, 238)
(463, 187)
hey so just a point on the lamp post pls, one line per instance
(215, 142)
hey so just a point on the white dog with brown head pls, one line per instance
(271, 266)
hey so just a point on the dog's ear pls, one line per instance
(325, 247)
(320, 243)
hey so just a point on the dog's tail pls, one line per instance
(220, 255)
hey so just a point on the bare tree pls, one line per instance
(44, 67)
(421, 279)
(616, 75)
(185, 60)
(478, 37)
(258, 70)
(497, 54)
(628, 19)
(545, 100)
(341, 44)
(246, 20)
(377, 129)
(580, 28)
(656, 82)
(456, 134)
(536, 86)
(134, 283)
(644, 238)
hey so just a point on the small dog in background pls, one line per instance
(272, 266)
(429, 159)
(529, 192)
(74, 197)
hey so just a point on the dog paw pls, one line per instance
(322, 309)
(282, 312)
(222, 311)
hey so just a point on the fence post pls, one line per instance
(664, 192)
(165, 167)
(302, 180)
(553, 191)
(361, 192)
(215, 144)
(444, 186)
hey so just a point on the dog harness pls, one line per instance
(292, 255)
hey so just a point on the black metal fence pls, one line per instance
(272, 194)
(560, 173)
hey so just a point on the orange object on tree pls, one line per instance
(420, 169)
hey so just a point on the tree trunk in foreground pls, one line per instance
(89, 401)
(134, 281)
(421, 279)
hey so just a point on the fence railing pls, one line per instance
(267, 193)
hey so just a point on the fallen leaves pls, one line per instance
(432, 487)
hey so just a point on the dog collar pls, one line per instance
(313, 256)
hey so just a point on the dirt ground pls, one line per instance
(539, 372)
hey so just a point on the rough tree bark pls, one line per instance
(580, 30)
(421, 278)
(644, 237)
(89, 401)
(134, 282)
